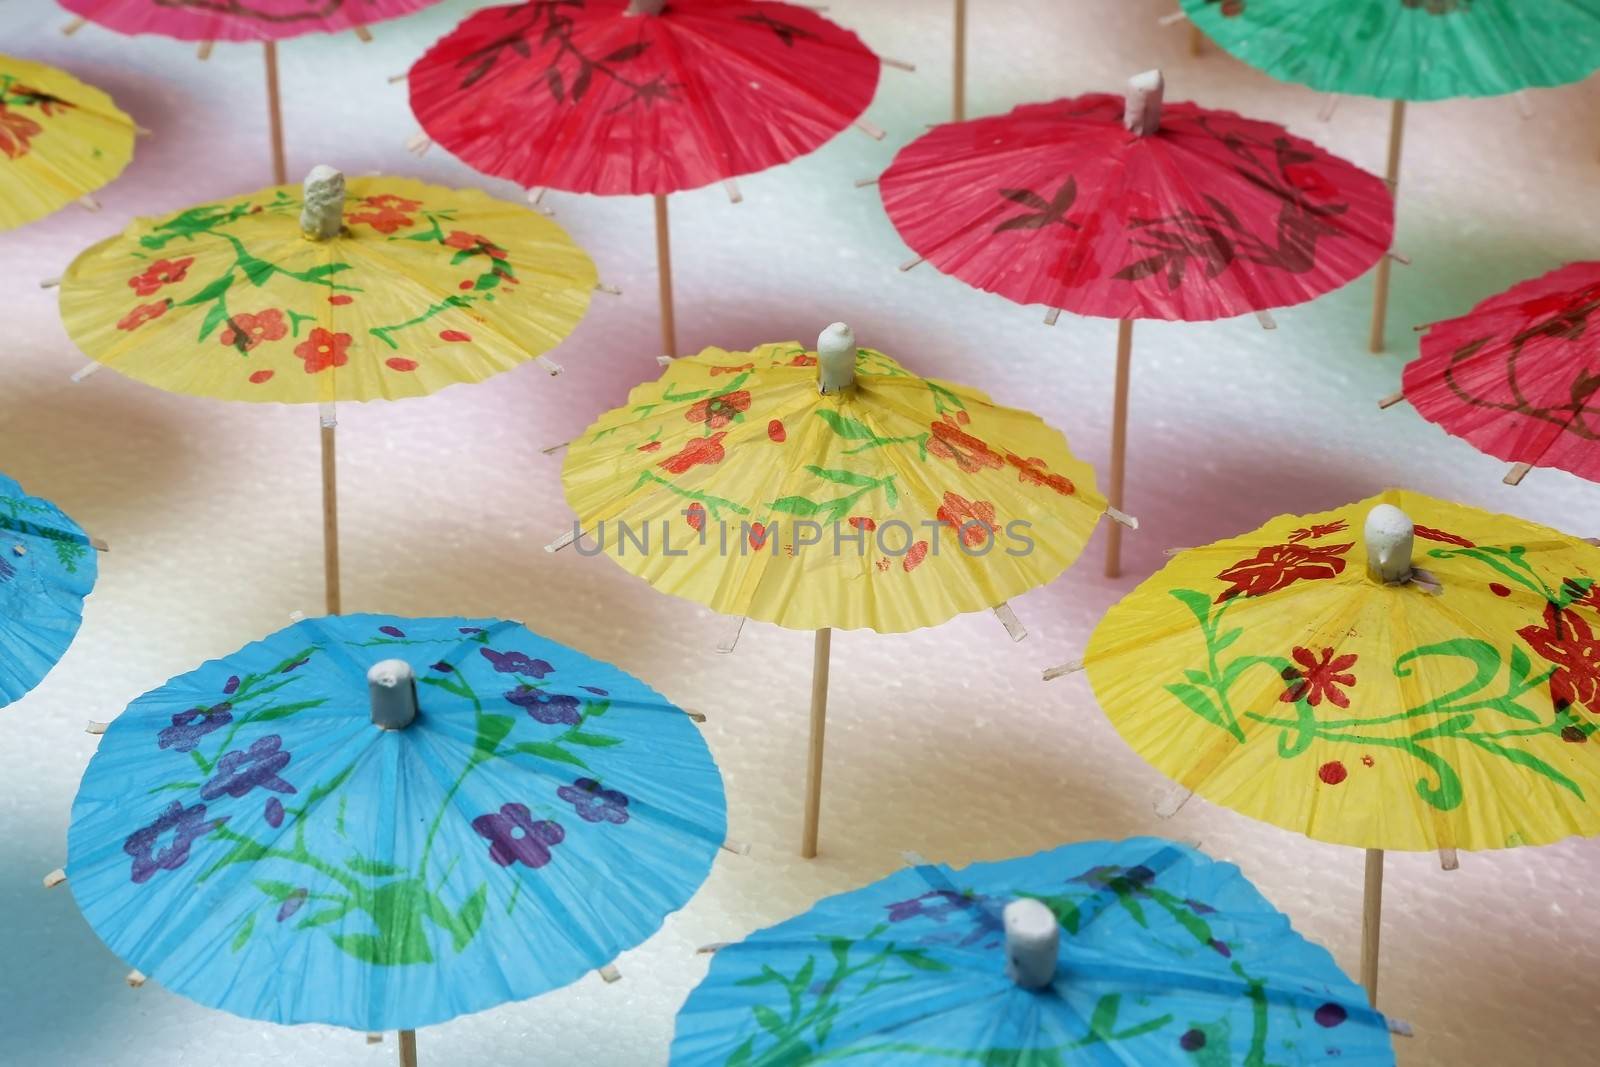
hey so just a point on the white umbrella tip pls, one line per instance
(392, 687)
(322, 208)
(836, 358)
(1389, 534)
(1033, 943)
(1145, 93)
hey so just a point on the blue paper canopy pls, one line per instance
(1165, 957)
(47, 568)
(248, 838)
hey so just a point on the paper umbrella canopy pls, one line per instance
(1409, 49)
(675, 96)
(1134, 952)
(251, 838)
(1203, 214)
(891, 502)
(1519, 375)
(417, 288)
(60, 140)
(236, 20)
(47, 568)
(1295, 674)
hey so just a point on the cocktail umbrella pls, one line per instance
(881, 500)
(1519, 376)
(267, 21)
(644, 97)
(1402, 50)
(311, 830)
(1129, 952)
(60, 140)
(47, 568)
(1127, 210)
(387, 289)
(1412, 687)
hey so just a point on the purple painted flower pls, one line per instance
(594, 804)
(1200, 907)
(596, 692)
(516, 663)
(1192, 1040)
(6, 571)
(296, 663)
(274, 812)
(470, 629)
(1330, 1015)
(242, 770)
(443, 668)
(292, 903)
(188, 727)
(232, 687)
(1222, 949)
(937, 905)
(514, 837)
(392, 631)
(185, 825)
(548, 708)
(1118, 879)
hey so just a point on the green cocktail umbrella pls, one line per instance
(1403, 50)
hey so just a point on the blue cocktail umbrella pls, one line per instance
(314, 830)
(1117, 953)
(47, 568)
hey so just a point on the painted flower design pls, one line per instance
(323, 349)
(718, 411)
(142, 314)
(514, 837)
(1567, 640)
(1280, 566)
(256, 767)
(16, 131)
(972, 520)
(937, 905)
(1317, 677)
(1318, 531)
(549, 708)
(161, 272)
(189, 727)
(1442, 537)
(593, 803)
(515, 663)
(385, 213)
(186, 825)
(472, 242)
(245, 331)
(950, 442)
(1310, 180)
(701, 450)
(1034, 472)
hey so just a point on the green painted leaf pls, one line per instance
(283, 711)
(851, 429)
(1198, 603)
(594, 740)
(469, 918)
(279, 891)
(919, 959)
(766, 977)
(492, 729)
(551, 752)
(770, 1020)
(795, 505)
(742, 1054)
(243, 936)
(325, 916)
(1198, 701)
(373, 868)
(841, 477)
(216, 315)
(802, 978)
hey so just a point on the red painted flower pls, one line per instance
(455, 336)
(261, 376)
(1567, 640)
(1034, 472)
(390, 202)
(699, 451)
(862, 523)
(401, 364)
(323, 349)
(1543, 307)
(776, 433)
(951, 442)
(473, 242)
(914, 556)
(246, 331)
(143, 314)
(758, 535)
(741, 368)
(717, 411)
(803, 360)
(161, 272)
(695, 516)
(1319, 677)
(1311, 533)
(385, 213)
(48, 105)
(650, 446)
(1279, 566)
(1333, 772)
(1443, 538)
(15, 132)
(973, 520)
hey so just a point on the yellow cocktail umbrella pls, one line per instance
(60, 140)
(1401, 673)
(383, 289)
(879, 499)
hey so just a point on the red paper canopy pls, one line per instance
(1519, 376)
(238, 20)
(580, 96)
(1210, 216)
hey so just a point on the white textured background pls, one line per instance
(945, 741)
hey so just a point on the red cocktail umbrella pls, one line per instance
(613, 97)
(1519, 376)
(267, 21)
(1118, 208)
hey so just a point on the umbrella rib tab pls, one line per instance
(84, 372)
(1448, 860)
(55, 878)
(1051, 316)
(730, 637)
(609, 973)
(136, 978)
(327, 415)
(1143, 112)
(1122, 518)
(73, 27)
(1266, 320)
(1172, 801)
(203, 53)
(1391, 400)
(1517, 472)
(1008, 619)
(95, 727)
(1062, 670)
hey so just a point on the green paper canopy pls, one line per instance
(1409, 49)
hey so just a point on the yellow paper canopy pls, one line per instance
(928, 498)
(426, 287)
(59, 140)
(1272, 674)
